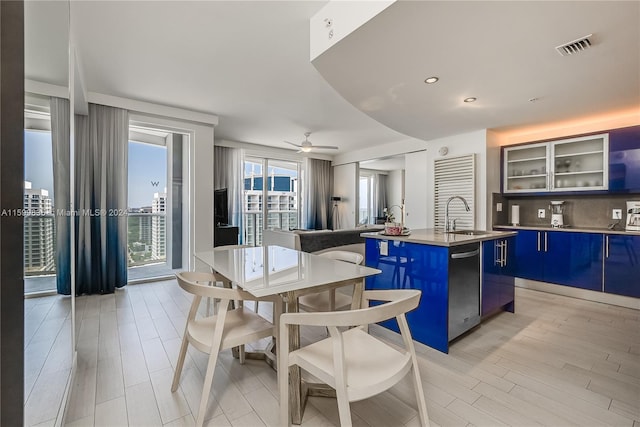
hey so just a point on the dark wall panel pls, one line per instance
(11, 203)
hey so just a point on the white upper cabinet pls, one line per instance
(574, 164)
(526, 168)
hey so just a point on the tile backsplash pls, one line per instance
(580, 210)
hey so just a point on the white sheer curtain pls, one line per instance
(101, 199)
(318, 186)
(227, 173)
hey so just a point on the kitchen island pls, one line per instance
(463, 275)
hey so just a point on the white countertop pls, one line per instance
(569, 229)
(273, 270)
(430, 236)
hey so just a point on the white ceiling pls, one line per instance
(248, 63)
(502, 52)
(46, 42)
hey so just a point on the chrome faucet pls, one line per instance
(450, 227)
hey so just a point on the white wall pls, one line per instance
(419, 171)
(416, 190)
(377, 151)
(395, 187)
(198, 189)
(257, 150)
(458, 145)
(494, 141)
(345, 180)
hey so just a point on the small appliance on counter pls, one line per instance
(557, 213)
(515, 215)
(633, 216)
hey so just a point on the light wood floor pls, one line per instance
(47, 357)
(557, 361)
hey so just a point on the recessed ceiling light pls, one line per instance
(470, 99)
(430, 80)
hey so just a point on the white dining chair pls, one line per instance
(230, 327)
(357, 365)
(330, 300)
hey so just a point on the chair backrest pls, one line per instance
(348, 256)
(397, 302)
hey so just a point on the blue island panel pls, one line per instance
(415, 266)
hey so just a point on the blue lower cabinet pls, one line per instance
(622, 265)
(506, 296)
(415, 266)
(498, 268)
(529, 255)
(573, 259)
(560, 257)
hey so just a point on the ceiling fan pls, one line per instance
(306, 146)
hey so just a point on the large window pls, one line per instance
(365, 206)
(154, 236)
(39, 207)
(146, 243)
(271, 197)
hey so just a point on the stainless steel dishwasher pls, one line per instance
(464, 288)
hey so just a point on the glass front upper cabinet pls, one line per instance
(574, 164)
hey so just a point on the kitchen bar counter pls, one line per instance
(430, 236)
(446, 267)
(569, 229)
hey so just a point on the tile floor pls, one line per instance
(557, 361)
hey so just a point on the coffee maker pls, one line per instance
(633, 216)
(557, 213)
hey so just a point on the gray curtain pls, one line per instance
(60, 122)
(317, 194)
(227, 173)
(380, 194)
(101, 199)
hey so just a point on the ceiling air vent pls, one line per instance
(583, 43)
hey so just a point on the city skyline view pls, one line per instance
(147, 166)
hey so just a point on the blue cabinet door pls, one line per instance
(622, 265)
(490, 277)
(423, 267)
(573, 259)
(498, 269)
(506, 297)
(624, 160)
(529, 262)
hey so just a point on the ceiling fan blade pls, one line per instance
(326, 147)
(295, 145)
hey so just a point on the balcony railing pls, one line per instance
(142, 247)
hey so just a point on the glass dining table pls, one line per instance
(275, 270)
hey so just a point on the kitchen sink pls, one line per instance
(470, 232)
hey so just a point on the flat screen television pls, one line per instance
(220, 207)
